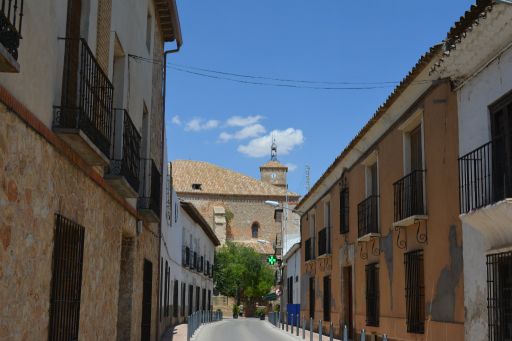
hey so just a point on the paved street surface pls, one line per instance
(250, 329)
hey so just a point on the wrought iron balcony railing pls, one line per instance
(307, 250)
(11, 18)
(150, 189)
(485, 174)
(409, 195)
(324, 241)
(125, 160)
(87, 96)
(186, 256)
(368, 216)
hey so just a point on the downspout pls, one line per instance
(164, 168)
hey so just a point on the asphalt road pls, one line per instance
(241, 330)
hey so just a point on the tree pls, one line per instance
(242, 273)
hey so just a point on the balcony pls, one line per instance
(368, 218)
(307, 250)
(409, 199)
(11, 17)
(84, 117)
(324, 242)
(123, 171)
(186, 256)
(149, 202)
(485, 190)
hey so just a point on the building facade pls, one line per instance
(381, 236)
(291, 275)
(187, 258)
(478, 60)
(234, 204)
(81, 131)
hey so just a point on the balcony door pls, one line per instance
(71, 57)
(416, 149)
(501, 129)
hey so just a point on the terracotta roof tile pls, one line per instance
(217, 180)
(260, 246)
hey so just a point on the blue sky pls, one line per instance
(230, 123)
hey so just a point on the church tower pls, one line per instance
(274, 172)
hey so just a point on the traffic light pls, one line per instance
(271, 260)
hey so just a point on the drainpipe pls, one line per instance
(164, 168)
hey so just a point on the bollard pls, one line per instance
(282, 321)
(345, 333)
(298, 324)
(330, 331)
(303, 329)
(320, 331)
(385, 338)
(363, 335)
(311, 329)
(286, 322)
(291, 329)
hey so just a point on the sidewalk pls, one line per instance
(316, 336)
(178, 333)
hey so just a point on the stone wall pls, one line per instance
(38, 180)
(103, 33)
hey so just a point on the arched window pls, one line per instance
(254, 229)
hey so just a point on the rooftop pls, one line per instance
(198, 177)
(274, 164)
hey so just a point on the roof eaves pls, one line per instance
(399, 89)
(199, 219)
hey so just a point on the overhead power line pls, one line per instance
(273, 81)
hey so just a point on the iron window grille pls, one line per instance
(311, 297)
(175, 299)
(207, 269)
(327, 298)
(186, 256)
(499, 296)
(368, 216)
(372, 295)
(87, 96)
(125, 157)
(146, 301)
(183, 298)
(68, 254)
(198, 293)
(415, 291)
(324, 241)
(408, 195)
(150, 191)
(344, 210)
(307, 248)
(10, 25)
(203, 301)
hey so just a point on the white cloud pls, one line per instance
(176, 120)
(239, 121)
(198, 124)
(286, 141)
(244, 133)
(291, 167)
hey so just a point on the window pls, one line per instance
(175, 299)
(368, 209)
(499, 295)
(415, 292)
(197, 187)
(203, 301)
(166, 290)
(146, 301)
(312, 234)
(290, 290)
(372, 295)
(327, 298)
(254, 229)
(68, 254)
(209, 300)
(190, 299)
(311, 297)
(198, 292)
(344, 208)
(183, 297)
(148, 31)
(501, 130)
(327, 223)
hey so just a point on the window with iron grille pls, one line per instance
(68, 254)
(209, 300)
(311, 297)
(175, 299)
(327, 298)
(290, 290)
(203, 301)
(183, 298)
(198, 292)
(415, 291)
(166, 290)
(499, 296)
(146, 301)
(372, 295)
(344, 210)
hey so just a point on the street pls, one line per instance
(250, 329)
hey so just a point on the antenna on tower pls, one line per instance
(308, 178)
(273, 150)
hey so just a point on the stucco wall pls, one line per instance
(442, 254)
